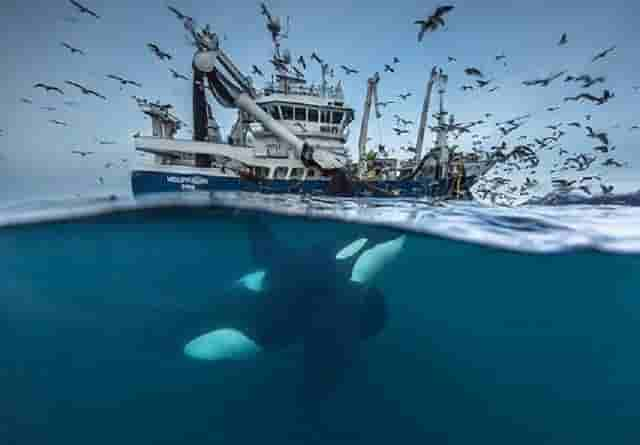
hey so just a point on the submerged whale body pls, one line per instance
(323, 299)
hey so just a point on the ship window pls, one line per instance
(287, 113)
(262, 172)
(324, 117)
(297, 173)
(313, 115)
(275, 112)
(311, 173)
(301, 114)
(281, 173)
(336, 117)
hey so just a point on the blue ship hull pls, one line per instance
(152, 182)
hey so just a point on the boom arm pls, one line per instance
(235, 90)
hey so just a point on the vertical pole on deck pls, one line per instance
(425, 114)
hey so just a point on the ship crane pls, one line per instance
(234, 90)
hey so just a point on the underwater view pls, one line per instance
(338, 222)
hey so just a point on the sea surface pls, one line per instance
(506, 325)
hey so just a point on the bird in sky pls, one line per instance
(388, 69)
(58, 122)
(24, 100)
(82, 153)
(302, 63)
(72, 49)
(544, 82)
(400, 132)
(348, 71)
(83, 9)
(85, 90)
(158, 52)
(473, 72)
(603, 54)
(180, 15)
(404, 96)
(124, 82)
(433, 22)
(177, 75)
(256, 70)
(590, 97)
(563, 40)
(48, 88)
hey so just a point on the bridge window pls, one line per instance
(275, 112)
(336, 117)
(287, 113)
(301, 114)
(281, 173)
(313, 115)
(297, 173)
(324, 116)
(262, 172)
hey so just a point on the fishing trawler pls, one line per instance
(289, 137)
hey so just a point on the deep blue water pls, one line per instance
(484, 344)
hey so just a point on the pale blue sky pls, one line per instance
(36, 156)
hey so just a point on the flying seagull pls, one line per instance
(177, 75)
(602, 136)
(124, 82)
(544, 82)
(257, 71)
(25, 100)
(180, 15)
(85, 90)
(84, 9)
(158, 52)
(72, 49)
(404, 96)
(82, 153)
(603, 54)
(48, 88)
(597, 100)
(400, 132)
(348, 70)
(388, 69)
(433, 22)
(473, 72)
(57, 122)
(315, 57)
(563, 40)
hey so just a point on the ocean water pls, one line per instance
(506, 326)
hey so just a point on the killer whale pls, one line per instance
(322, 298)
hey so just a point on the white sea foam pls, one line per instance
(532, 229)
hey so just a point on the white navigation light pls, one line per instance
(205, 61)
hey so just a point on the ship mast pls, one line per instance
(425, 114)
(372, 97)
(441, 139)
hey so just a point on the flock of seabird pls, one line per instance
(522, 156)
(123, 81)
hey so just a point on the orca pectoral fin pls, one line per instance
(373, 261)
(222, 344)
